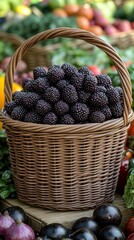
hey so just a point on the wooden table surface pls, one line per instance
(38, 216)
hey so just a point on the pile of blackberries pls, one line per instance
(66, 95)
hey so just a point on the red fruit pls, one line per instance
(5, 63)
(132, 25)
(131, 236)
(122, 175)
(100, 20)
(110, 30)
(131, 129)
(124, 26)
(129, 227)
(96, 70)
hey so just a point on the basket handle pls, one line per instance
(79, 34)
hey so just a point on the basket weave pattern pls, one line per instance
(36, 55)
(67, 167)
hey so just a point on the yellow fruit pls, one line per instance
(23, 10)
(16, 87)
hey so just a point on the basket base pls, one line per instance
(69, 207)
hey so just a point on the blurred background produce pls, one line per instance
(112, 21)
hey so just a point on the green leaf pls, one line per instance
(6, 175)
(2, 183)
(4, 194)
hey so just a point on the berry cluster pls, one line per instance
(66, 95)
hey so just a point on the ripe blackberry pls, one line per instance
(18, 113)
(100, 89)
(69, 70)
(85, 71)
(40, 85)
(9, 107)
(52, 95)
(84, 96)
(107, 112)
(25, 81)
(55, 74)
(61, 84)
(96, 117)
(98, 99)
(28, 87)
(50, 118)
(33, 117)
(61, 108)
(77, 81)
(104, 80)
(30, 99)
(69, 94)
(90, 83)
(43, 107)
(80, 112)
(120, 91)
(117, 110)
(113, 95)
(67, 119)
(18, 97)
(39, 72)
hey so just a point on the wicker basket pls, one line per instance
(67, 167)
(123, 39)
(36, 55)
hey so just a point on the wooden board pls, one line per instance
(38, 216)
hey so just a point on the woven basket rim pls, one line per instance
(71, 128)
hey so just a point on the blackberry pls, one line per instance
(50, 118)
(96, 117)
(104, 80)
(117, 110)
(99, 99)
(18, 97)
(30, 99)
(9, 107)
(29, 87)
(33, 117)
(120, 91)
(25, 81)
(77, 81)
(69, 94)
(55, 74)
(52, 95)
(39, 72)
(62, 83)
(61, 108)
(40, 85)
(69, 70)
(43, 107)
(113, 95)
(67, 119)
(100, 89)
(107, 112)
(85, 71)
(90, 83)
(84, 96)
(18, 113)
(80, 112)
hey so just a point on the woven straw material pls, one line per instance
(67, 167)
(37, 54)
(123, 39)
